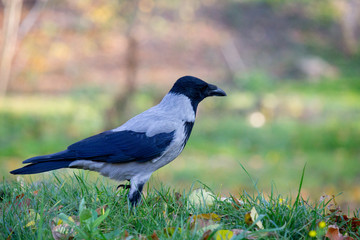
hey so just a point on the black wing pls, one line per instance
(113, 147)
(122, 146)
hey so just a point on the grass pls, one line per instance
(27, 210)
(325, 136)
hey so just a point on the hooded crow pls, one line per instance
(140, 146)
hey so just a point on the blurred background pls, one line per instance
(70, 69)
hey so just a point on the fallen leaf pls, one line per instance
(101, 210)
(30, 224)
(200, 198)
(223, 235)
(209, 216)
(242, 232)
(213, 226)
(32, 215)
(237, 204)
(59, 207)
(203, 220)
(20, 196)
(353, 223)
(61, 230)
(177, 196)
(330, 202)
(252, 217)
(206, 235)
(333, 233)
(254, 235)
(140, 237)
(154, 236)
(247, 219)
(177, 199)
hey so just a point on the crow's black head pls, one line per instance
(195, 89)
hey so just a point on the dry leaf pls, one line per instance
(247, 219)
(177, 199)
(206, 235)
(61, 230)
(30, 224)
(203, 220)
(237, 204)
(353, 223)
(333, 233)
(254, 216)
(243, 232)
(140, 237)
(332, 205)
(254, 235)
(101, 210)
(32, 215)
(251, 217)
(154, 236)
(177, 196)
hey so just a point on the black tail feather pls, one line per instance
(63, 155)
(41, 167)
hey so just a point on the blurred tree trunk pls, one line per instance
(120, 108)
(349, 22)
(12, 14)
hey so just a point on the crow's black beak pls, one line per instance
(215, 91)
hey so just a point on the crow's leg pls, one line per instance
(137, 184)
(135, 193)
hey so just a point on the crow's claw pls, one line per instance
(125, 186)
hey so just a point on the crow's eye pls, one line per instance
(203, 88)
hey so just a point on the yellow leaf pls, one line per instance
(209, 216)
(31, 223)
(247, 219)
(203, 220)
(254, 216)
(59, 222)
(32, 215)
(101, 210)
(223, 235)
